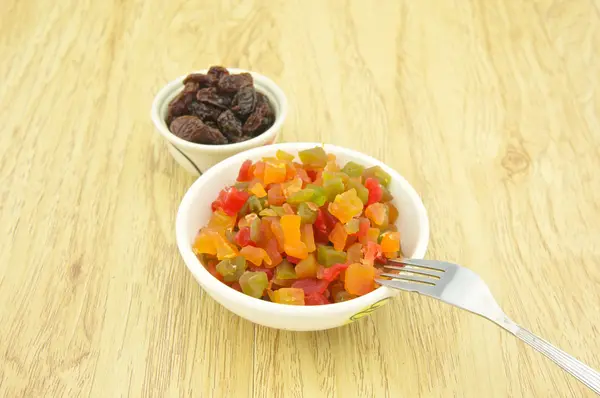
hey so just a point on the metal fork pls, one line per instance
(463, 288)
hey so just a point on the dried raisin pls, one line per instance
(261, 119)
(215, 73)
(200, 78)
(192, 129)
(229, 125)
(231, 84)
(205, 112)
(177, 107)
(210, 96)
(244, 102)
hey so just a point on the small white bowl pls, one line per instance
(197, 158)
(194, 213)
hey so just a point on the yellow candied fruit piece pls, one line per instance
(258, 190)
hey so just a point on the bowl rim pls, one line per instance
(261, 82)
(212, 284)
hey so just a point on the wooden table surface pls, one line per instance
(489, 108)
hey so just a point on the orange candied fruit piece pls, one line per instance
(376, 213)
(259, 190)
(360, 279)
(292, 241)
(288, 295)
(255, 255)
(338, 236)
(274, 173)
(390, 242)
(275, 195)
(308, 237)
(258, 169)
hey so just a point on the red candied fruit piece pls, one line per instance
(331, 273)
(311, 285)
(242, 238)
(230, 200)
(316, 299)
(244, 174)
(236, 286)
(375, 191)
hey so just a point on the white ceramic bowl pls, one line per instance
(197, 158)
(194, 213)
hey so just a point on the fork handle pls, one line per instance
(578, 369)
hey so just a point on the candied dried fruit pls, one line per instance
(301, 234)
(231, 84)
(244, 102)
(192, 129)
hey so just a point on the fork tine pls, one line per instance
(415, 270)
(411, 278)
(431, 264)
(407, 286)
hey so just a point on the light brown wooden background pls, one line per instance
(490, 108)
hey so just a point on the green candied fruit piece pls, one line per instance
(314, 157)
(327, 256)
(330, 175)
(254, 283)
(353, 169)
(255, 229)
(386, 196)
(377, 172)
(333, 187)
(319, 197)
(283, 155)
(361, 191)
(307, 215)
(285, 270)
(352, 226)
(232, 269)
(304, 195)
(278, 210)
(311, 193)
(254, 205)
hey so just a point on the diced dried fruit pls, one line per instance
(359, 279)
(298, 233)
(254, 283)
(289, 296)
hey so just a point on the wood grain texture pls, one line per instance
(489, 108)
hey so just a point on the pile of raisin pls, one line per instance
(219, 108)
